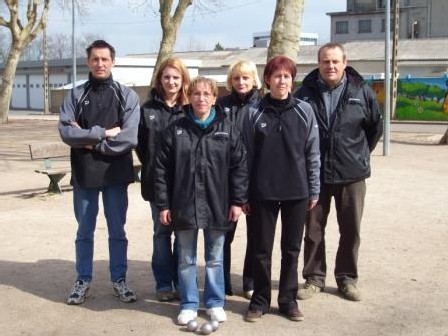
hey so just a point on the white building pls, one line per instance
(262, 39)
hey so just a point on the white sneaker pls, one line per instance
(217, 314)
(186, 315)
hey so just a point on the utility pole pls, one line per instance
(386, 114)
(395, 57)
(45, 59)
(73, 44)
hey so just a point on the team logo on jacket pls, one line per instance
(226, 110)
(263, 125)
(86, 102)
(152, 117)
(179, 132)
(221, 135)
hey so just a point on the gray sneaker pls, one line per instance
(123, 292)
(79, 292)
(307, 291)
(350, 292)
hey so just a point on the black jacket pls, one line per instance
(346, 143)
(200, 173)
(155, 116)
(96, 106)
(236, 108)
(283, 147)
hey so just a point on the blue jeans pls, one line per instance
(164, 254)
(214, 270)
(115, 203)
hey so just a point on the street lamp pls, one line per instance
(414, 29)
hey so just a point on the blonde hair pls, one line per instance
(243, 67)
(204, 80)
(175, 63)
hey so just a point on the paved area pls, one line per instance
(402, 262)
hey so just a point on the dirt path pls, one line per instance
(403, 257)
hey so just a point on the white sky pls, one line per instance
(132, 31)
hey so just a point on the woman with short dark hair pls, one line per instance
(283, 145)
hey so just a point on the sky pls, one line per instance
(135, 31)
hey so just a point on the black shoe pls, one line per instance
(294, 314)
(253, 315)
(229, 290)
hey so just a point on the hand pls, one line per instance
(312, 204)
(165, 217)
(246, 209)
(110, 133)
(235, 212)
(90, 147)
(75, 124)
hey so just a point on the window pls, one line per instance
(364, 26)
(342, 27)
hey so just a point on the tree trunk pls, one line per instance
(444, 139)
(21, 36)
(285, 31)
(170, 26)
(7, 82)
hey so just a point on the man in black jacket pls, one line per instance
(99, 121)
(350, 126)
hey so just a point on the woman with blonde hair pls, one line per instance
(243, 84)
(163, 107)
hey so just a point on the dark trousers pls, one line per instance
(349, 203)
(264, 216)
(247, 270)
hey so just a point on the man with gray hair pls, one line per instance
(350, 126)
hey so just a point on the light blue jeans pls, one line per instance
(115, 203)
(214, 270)
(164, 254)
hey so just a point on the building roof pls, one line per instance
(408, 50)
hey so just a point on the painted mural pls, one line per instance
(418, 98)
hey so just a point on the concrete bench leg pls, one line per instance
(54, 183)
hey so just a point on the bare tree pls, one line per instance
(33, 51)
(170, 26)
(83, 41)
(59, 46)
(4, 42)
(23, 31)
(285, 29)
(171, 18)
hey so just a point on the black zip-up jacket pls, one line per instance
(283, 147)
(155, 116)
(96, 106)
(236, 108)
(346, 143)
(201, 172)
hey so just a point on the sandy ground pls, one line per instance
(403, 257)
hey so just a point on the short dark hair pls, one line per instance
(332, 45)
(279, 62)
(100, 44)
